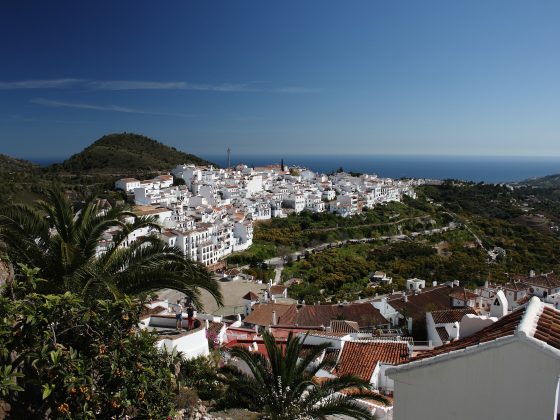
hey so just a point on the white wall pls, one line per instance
(191, 345)
(513, 381)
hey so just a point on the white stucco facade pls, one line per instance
(510, 378)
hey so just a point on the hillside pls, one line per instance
(550, 181)
(9, 164)
(93, 170)
(127, 153)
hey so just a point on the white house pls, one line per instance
(295, 201)
(191, 343)
(127, 184)
(508, 370)
(444, 326)
(415, 284)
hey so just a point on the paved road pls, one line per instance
(278, 262)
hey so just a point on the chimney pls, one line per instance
(456, 331)
(273, 317)
(486, 284)
(434, 283)
(532, 273)
(207, 324)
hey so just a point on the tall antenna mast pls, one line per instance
(228, 158)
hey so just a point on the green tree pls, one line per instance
(282, 387)
(64, 357)
(63, 242)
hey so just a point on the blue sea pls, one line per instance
(489, 169)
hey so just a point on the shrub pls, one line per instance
(63, 357)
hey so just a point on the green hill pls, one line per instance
(127, 153)
(550, 181)
(9, 164)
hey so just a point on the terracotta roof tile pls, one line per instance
(429, 299)
(360, 358)
(364, 314)
(343, 326)
(504, 327)
(451, 315)
(277, 289)
(262, 314)
(548, 327)
(252, 296)
(215, 327)
(443, 335)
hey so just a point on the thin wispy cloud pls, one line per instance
(117, 85)
(147, 85)
(41, 84)
(111, 108)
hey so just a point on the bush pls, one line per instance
(63, 357)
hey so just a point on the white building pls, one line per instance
(127, 184)
(508, 370)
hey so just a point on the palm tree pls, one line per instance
(281, 385)
(63, 242)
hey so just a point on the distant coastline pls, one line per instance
(489, 169)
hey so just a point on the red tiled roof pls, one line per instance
(361, 358)
(462, 294)
(215, 327)
(331, 355)
(451, 315)
(429, 299)
(549, 281)
(545, 319)
(504, 327)
(343, 326)
(548, 327)
(443, 335)
(251, 296)
(364, 314)
(262, 314)
(277, 289)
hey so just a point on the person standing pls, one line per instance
(190, 316)
(178, 309)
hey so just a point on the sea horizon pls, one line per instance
(488, 169)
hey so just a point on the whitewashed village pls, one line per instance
(212, 214)
(474, 341)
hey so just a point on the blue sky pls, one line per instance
(346, 77)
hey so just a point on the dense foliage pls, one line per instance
(282, 387)
(496, 215)
(309, 229)
(62, 241)
(62, 356)
(119, 151)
